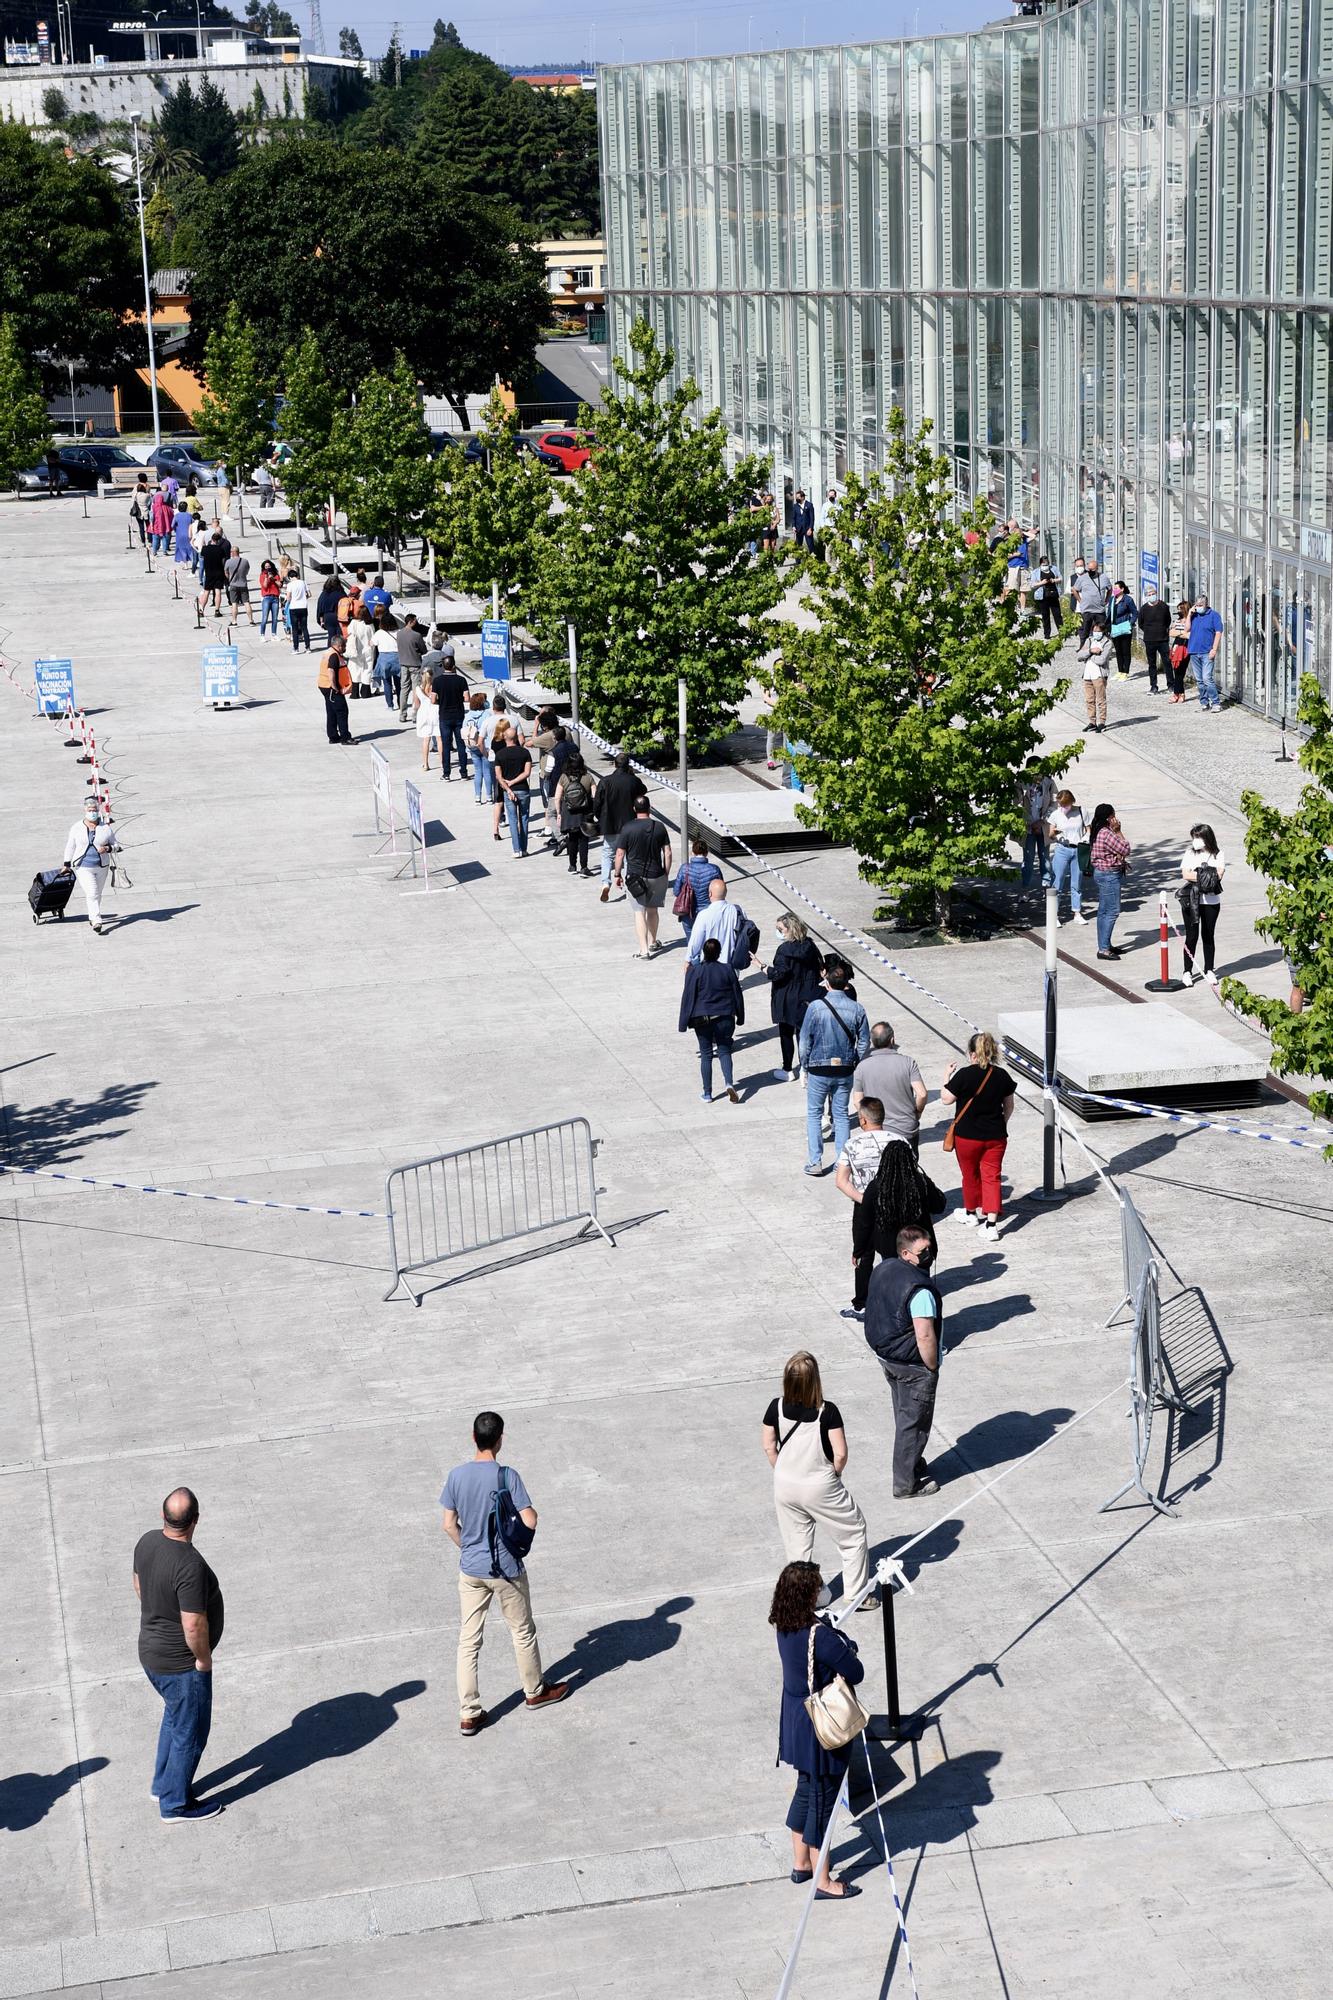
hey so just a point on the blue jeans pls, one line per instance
(450, 733)
(819, 1091)
(1109, 886)
(186, 1719)
(268, 615)
(1205, 674)
(608, 858)
(1034, 856)
(715, 1038)
(483, 778)
(392, 681)
(518, 804)
(1064, 862)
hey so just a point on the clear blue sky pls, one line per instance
(520, 31)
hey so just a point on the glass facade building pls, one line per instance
(1094, 248)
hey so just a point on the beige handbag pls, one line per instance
(835, 1714)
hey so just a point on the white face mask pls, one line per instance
(1198, 847)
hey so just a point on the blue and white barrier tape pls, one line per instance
(1208, 1124)
(700, 808)
(193, 1194)
(888, 1863)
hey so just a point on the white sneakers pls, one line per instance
(966, 1217)
(781, 1075)
(991, 1231)
(1079, 917)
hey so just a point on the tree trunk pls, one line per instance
(943, 906)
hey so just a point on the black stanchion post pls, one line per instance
(85, 506)
(887, 1595)
(1283, 756)
(176, 583)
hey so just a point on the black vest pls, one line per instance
(888, 1323)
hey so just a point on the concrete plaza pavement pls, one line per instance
(1126, 1778)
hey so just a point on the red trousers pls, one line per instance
(979, 1163)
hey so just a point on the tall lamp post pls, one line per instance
(147, 287)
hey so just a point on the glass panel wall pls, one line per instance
(1093, 249)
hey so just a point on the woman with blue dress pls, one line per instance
(819, 1772)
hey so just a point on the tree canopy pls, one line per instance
(307, 420)
(203, 126)
(912, 702)
(235, 419)
(1295, 851)
(650, 561)
(69, 262)
(383, 449)
(377, 257)
(25, 428)
(490, 518)
(535, 149)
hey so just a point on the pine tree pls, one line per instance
(1295, 852)
(236, 415)
(650, 561)
(307, 422)
(913, 706)
(489, 518)
(384, 446)
(25, 428)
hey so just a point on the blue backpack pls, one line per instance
(505, 1527)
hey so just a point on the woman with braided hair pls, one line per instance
(904, 1196)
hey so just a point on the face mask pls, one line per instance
(1198, 847)
(1201, 607)
(824, 1599)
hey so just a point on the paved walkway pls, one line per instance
(1125, 1781)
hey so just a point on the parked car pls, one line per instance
(34, 480)
(87, 464)
(182, 460)
(570, 449)
(474, 451)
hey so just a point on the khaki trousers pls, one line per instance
(821, 1497)
(474, 1598)
(1094, 700)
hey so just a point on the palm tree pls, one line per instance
(165, 162)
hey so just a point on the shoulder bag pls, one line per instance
(949, 1135)
(834, 1711)
(683, 906)
(838, 1065)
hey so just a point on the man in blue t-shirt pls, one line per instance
(487, 1569)
(1204, 643)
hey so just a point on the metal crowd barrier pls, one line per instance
(488, 1194)
(1149, 1375)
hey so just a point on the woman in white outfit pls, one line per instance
(361, 653)
(88, 852)
(806, 1445)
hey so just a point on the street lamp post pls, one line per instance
(147, 287)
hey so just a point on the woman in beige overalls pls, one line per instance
(806, 1445)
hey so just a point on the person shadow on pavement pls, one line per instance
(621, 1643)
(337, 1727)
(28, 1796)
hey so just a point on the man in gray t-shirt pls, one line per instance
(892, 1077)
(487, 1569)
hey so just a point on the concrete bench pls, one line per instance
(1155, 1053)
(124, 479)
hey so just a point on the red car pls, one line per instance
(571, 448)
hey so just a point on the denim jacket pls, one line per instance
(823, 1042)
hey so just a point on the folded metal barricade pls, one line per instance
(492, 1193)
(1150, 1387)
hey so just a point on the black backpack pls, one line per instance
(505, 1526)
(576, 798)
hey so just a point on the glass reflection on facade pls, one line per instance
(1095, 248)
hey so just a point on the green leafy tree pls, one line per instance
(490, 519)
(311, 234)
(532, 148)
(916, 705)
(384, 445)
(205, 125)
(265, 19)
(308, 421)
(1295, 852)
(235, 420)
(167, 161)
(69, 261)
(55, 106)
(25, 428)
(349, 44)
(650, 561)
(447, 35)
